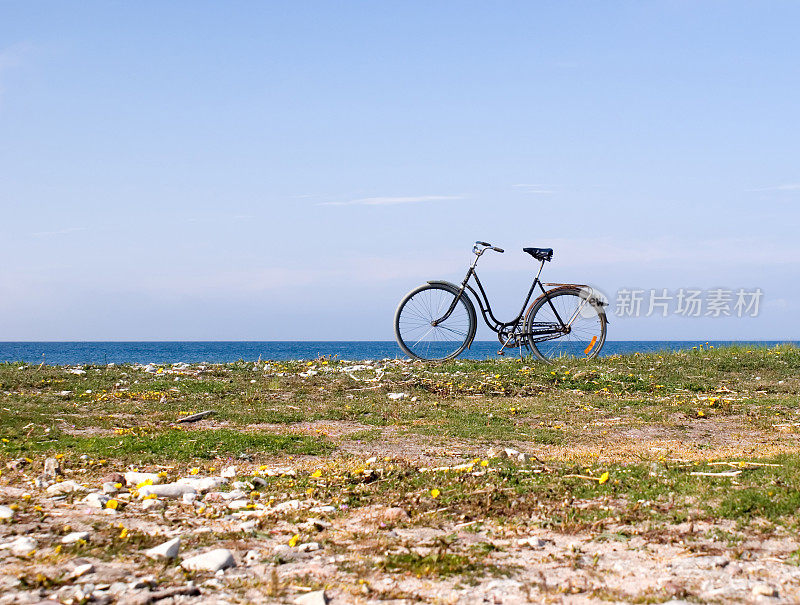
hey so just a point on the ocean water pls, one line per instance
(74, 353)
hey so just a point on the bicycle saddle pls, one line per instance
(540, 253)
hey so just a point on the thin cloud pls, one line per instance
(59, 232)
(532, 188)
(786, 187)
(392, 200)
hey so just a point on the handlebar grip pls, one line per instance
(487, 244)
(496, 249)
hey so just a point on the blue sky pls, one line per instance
(265, 170)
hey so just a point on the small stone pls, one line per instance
(110, 488)
(75, 536)
(327, 508)
(135, 478)
(252, 557)
(203, 484)
(312, 598)
(81, 570)
(229, 472)
(65, 487)
(213, 561)
(167, 550)
(397, 396)
(114, 478)
(6, 512)
(96, 500)
(288, 505)
(168, 490)
(21, 547)
(51, 469)
(248, 526)
(189, 498)
(308, 546)
(764, 590)
(238, 504)
(395, 515)
(152, 505)
(283, 553)
(532, 542)
(496, 452)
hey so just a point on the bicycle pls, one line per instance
(437, 320)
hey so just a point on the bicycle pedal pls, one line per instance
(501, 353)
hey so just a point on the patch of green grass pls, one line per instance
(436, 564)
(177, 445)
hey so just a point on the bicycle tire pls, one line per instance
(418, 339)
(587, 336)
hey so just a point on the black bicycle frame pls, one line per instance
(491, 321)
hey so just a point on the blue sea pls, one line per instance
(97, 353)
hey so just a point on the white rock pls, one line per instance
(327, 508)
(531, 542)
(308, 546)
(96, 500)
(248, 526)
(75, 536)
(6, 512)
(65, 487)
(167, 490)
(189, 498)
(229, 472)
(81, 570)
(213, 561)
(51, 469)
(152, 504)
(134, 478)
(238, 504)
(395, 397)
(764, 590)
(288, 505)
(21, 547)
(110, 488)
(77, 371)
(167, 550)
(203, 484)
(312, 598)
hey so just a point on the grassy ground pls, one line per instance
(617, 447)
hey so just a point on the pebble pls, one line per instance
(81, 570)
(532, 542)
(229, 472)
(327, 508)
(21, 547)
(189, 498)
(308, 546)
(168, 490)
(213, 561)
(6, 512)
(96, 500)
(167, 550)
(134, 478)
(110, 488)
(398, 396)
(51, 469)
(152, 504)
(75, 536)
(238, 504)
(317, 597)
(288, 505)
(203, 484)
(65, 487)
(764, 590)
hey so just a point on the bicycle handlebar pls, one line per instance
(489, 246)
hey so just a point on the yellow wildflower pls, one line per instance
(113, 504)
(603, 478)
(317, 474)
(294, 540)
(435, 493)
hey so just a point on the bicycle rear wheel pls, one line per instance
(413, 327)
(586, 334)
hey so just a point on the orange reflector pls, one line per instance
(591, 345)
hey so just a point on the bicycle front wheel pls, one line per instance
(414, 329)
(586, 321)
